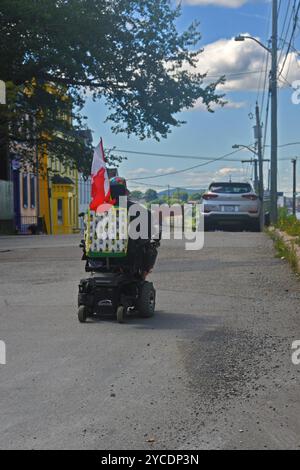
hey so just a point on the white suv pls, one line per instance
(232, 203)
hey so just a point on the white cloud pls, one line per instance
(243, 64)
(219, 3)
(200, 106)
(196, 179)
(290, 68)
(227, 171)
(235, 104)
(201, 179)
(137, 172)
(163, 171)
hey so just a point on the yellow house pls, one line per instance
(57, 189)
(58, 196)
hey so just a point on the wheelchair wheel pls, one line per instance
(120, 314)
(146, 300)
(82, 313)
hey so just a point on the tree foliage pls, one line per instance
(128, 53)
(136, 194)
(195, 197)
(150, 195)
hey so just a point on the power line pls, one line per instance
(265, 71)
(168, 155)
(138, 183)
(296, 16)
(236, 74)
(187, 169)
(285, 34)
(290, 144)
(188, 157)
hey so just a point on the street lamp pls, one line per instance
(274, 137)
(238, 146)
(241, 38)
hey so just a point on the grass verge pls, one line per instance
(286, 250)
(289, 224)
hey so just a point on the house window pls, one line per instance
(25, 190)
(32, 191)
(59, 212)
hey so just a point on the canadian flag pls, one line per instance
(100, 181)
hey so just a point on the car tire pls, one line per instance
(255, 226)
(121, 314)
(267, 219)
(207, 226)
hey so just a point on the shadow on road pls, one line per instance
(162, 320)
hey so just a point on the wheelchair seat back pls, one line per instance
(106, 234)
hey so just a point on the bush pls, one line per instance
(288, 223)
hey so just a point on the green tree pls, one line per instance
(150, 195)
(126, 52)
(182, 196)
(136, 194)
(195, 197)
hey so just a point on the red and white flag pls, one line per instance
(100, 181)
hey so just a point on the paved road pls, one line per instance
(212, 369)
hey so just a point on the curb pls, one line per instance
(290, 242)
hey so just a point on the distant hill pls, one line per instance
(182, 190)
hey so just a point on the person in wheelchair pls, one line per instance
(119, 278)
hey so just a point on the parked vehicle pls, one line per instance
(231, 204)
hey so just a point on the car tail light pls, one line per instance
(251, 197)
(209, 196)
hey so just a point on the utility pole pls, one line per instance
(273, 88)
(294, 162)
(261, 167)
(256, 184)
(274, 124)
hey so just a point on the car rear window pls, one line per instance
(230, 188)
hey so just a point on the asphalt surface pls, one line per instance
(212, 369)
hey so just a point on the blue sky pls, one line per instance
(212, 135)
